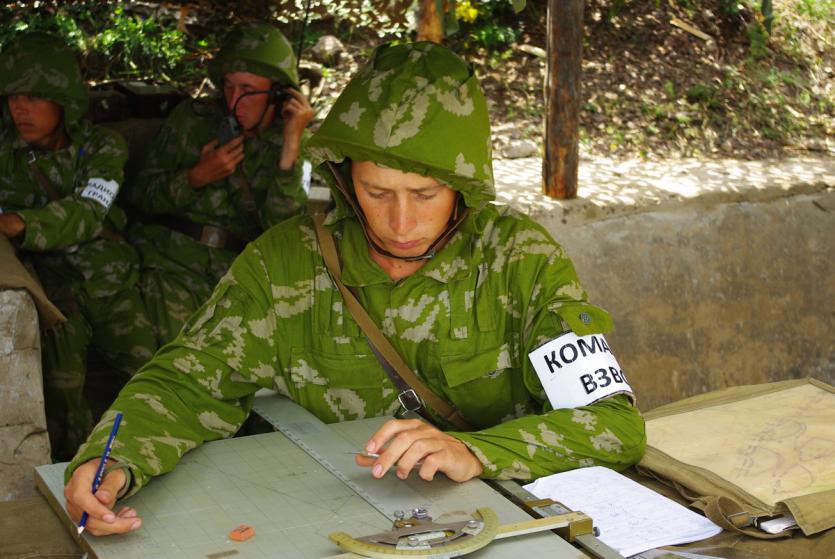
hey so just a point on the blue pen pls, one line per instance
(100, 471)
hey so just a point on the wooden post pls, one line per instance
(429, 26)
(562, 98)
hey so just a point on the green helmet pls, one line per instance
(42, 65)
(417, 108)
(258, 49)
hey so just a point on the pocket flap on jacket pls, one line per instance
(459, 369)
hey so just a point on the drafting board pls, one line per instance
(266, 481)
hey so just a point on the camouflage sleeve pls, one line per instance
(78, 217)
(199, 387)
(607, 433)
(161, 186)
(285, 195)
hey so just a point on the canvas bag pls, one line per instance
(14, 275)
(749, 452)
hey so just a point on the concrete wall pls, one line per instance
(706, 296)
(24, 442)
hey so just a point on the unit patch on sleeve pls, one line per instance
(102, 191)
(578, 370)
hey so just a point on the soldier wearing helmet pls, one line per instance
(59, 177)
(467, 293)
(220, 172)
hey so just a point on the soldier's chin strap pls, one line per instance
(457, 217)
(231, 112)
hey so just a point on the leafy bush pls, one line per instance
(490, 24)
(114, 42)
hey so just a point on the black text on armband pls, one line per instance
(578, 370)
(101, 191)
(569, 352)
(601, 378)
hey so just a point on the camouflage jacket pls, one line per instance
(161, 187)
(86, 176)
(464, 322)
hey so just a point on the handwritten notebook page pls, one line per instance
(630, 517)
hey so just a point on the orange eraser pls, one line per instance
(242, 533)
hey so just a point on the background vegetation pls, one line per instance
(747, 79)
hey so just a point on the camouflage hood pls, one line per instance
(41, 65)
(417, 108)
(258, 49)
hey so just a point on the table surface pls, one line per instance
(269, 483)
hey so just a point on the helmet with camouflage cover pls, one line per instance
(42, 65)
(258, 49)
(417, 108)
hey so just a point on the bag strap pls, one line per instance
(725, 512)
(413, 392)
(40, 177)
(729, 515)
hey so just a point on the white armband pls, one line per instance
(578, 370)
(101, 191)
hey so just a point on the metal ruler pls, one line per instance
(335, 454)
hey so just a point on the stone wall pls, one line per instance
(24, 442)
(706, 296)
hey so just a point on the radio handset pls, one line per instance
(228, 130)
(278, 95)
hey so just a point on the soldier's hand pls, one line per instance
(402, 443)
(297, 114)
(216, 162)
(11, 225)
(101, 519)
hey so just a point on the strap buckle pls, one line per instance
(214, 237)
(742, 519)
(410, 402)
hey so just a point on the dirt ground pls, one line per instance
(653, 90)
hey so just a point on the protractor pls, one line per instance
(424, 538)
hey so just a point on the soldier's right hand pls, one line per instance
(101, 520)
(216, 162)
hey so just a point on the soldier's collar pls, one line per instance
(453, 262)
(17, 141)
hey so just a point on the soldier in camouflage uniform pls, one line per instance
(410, 139)
(59, 176)
(204, 201)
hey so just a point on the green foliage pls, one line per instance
(757, 40)
(704, 94)
(135, 46)
(760, 24)
(613, 9)
(816, 9)
(490, 24)
(113, 42)
(518, 5)
(344, 18)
